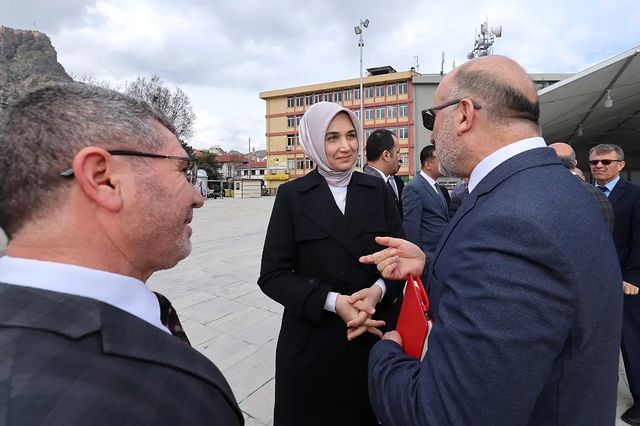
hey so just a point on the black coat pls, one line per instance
(311, 248)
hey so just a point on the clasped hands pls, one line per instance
(356, 311)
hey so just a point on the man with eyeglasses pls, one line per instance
(96, 194)
(606, 162)
(526, 314)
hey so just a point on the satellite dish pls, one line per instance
(498, 31)
(470, 55)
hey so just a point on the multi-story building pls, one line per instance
(388, 103)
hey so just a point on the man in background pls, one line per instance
(383, 161)
(96, 194)
(606, 162)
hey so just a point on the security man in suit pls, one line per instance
(606, 162)
(384, 161)
(425, 208)
(526, 314)
(96, 194)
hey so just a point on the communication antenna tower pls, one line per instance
(483, 45)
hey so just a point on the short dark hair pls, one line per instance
(42, 132)
(427, 154)
(605, 148)
(379, 140)
(501, 101)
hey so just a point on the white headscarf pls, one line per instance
(313, 129)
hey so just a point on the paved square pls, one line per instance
(222, 309)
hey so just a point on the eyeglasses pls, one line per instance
(604, 162)
(429, 115)
(190, 171)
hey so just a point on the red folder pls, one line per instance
(414, 321)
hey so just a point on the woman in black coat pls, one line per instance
(320, 225)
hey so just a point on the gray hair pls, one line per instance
(569, 161)
(42, 132)
(502, 102)
(605, 148)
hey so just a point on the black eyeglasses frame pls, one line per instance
(429, 116)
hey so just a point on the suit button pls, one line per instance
(339, 272)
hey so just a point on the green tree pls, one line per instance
(208, 163)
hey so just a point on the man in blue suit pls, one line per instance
(424, 205)
(526, 314)
(606, 162)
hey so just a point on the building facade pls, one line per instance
(388, 103)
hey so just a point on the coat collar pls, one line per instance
(122, 333)
(320, 207)
(431, 190)
(618, 191)
(525, 160)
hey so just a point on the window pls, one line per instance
(391, 89)
(290, 102)
(368, 114)
(391, 111)
(253, 171)
(367, 133)
(237, 186)
(403, 133)
(337, 96)
(357, 113)
(317, 98)
(309, 164)
(405, 159)
(403, 110)
(379, 91)
(380, 113)
(300, 163)
(291, 164)
(261, 171)
(393, 130)
(290, 120)
(308, 99)
(328, 97)
(298, 117)
(292, 140)
(347, 95)
(402, 88)
(356, 94)
(368, 92)
(299, 100)
(229, 170)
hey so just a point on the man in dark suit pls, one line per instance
(384, 161)
(606, 162)
(567, 157)
(96, 194)
(425, 208)
(526, 314)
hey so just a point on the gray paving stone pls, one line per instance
(197, 332)
(251, 373)
(260, 403)
(212, 309)
(226, 351)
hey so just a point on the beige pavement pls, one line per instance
(225, 314)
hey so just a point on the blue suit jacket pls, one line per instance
(527, 312)
(425, 215)
(625, 199)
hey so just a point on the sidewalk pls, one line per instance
(223, 311)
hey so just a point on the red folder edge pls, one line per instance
(413, 322)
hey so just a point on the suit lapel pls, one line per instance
(618, 191)
(527, 159)
(432, 192)
(361, 203)
(319, 206)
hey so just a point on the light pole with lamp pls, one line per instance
(363, 24)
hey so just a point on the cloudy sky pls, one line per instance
(223, 53)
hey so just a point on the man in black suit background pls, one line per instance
(425, 207)
(383, 161)
(96, 194)
(606, 162)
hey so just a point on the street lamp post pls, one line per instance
(359, 29)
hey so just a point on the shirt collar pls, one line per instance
(611, 184)
(429, 179)
(385, 177)
(484, 167)
(123, 292)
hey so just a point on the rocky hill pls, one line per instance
(27, 60)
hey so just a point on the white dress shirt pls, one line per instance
(340, 196)
(389, 179)
(500, 156)
(431, 181)
(123, 292)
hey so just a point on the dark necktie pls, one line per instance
(395, 197)
(440, 194)
(169, 318)
(604, 189)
